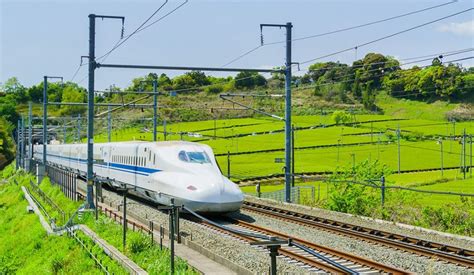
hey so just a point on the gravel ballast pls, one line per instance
(242, 254)
(396, 228)
(386, 255)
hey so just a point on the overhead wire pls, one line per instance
(386, 36)
(339, 30)
(372, 70)
(122, 41)
(142, 27)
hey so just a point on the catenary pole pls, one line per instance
(398, 145)
(45, 117)
(109, 124)
(464, 153)
(23, 141)
(79, 128)
(90, 113)
(155, 106)
(30, 132)
(288, 26)
(90, 106)
(288, 114)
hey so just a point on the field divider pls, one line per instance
(303, 148)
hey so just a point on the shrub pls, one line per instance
(341, 117)
(214, 89)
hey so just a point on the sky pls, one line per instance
(48, 37)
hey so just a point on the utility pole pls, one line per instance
(45, 130)
(470, 156)
(79, 128)
(90, 114)
(440, 141)
(64, 131)
(18, 145)
(109, 124)
(90, 106)
(338, 144)
(464, 152)
(288, 65)
(30, 134)
(42, 168)
(23, 146)
(164, 129)
(398, 143)
(155, 107)
(292, 156)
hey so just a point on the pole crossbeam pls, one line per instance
(223, 97)
(186, 68)
(101, 104)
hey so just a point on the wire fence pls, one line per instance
(312, 193)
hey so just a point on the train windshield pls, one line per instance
(195, 157)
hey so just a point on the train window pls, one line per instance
(194, 157)
(182, 156)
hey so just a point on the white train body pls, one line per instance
(185, 171)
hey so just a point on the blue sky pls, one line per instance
(48, 37)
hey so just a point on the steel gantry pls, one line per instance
(93, 65)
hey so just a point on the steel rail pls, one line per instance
(451, 254)
(343, 255)
(282, 251)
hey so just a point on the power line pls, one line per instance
(121, 42)
(164, 16)
(382, 74)
(368, 24)
(139, 29)
(340, 30)
(387, 36)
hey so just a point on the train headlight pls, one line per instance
(191, 187)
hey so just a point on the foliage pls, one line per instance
(7, 146)
(341, 117)
(15, 90)
(26, 248)
(73, 94)
(249, 80)
(8, 110)
(214, 89)
(349, 196)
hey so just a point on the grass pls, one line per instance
(30, 249)
(139, 248)
(326, 159)
(27, 249)
(411, 109)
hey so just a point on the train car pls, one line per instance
(185, 171)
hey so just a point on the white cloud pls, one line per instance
(464, 28)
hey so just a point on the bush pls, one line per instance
(214, 89)
(341, 117)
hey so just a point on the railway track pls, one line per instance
(345, 262)
(310, 175)
(291, 253)
(459, 256)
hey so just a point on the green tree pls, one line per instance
(73, 94)
(183, 82)
(349, 196)
(8, 110)
(7, 146)
(249, 80)
(341, 117)
(199, 78)
(15, 90)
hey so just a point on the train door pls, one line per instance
(135, 164)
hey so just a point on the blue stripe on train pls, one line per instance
(145, 171)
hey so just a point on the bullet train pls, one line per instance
(185, 171)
